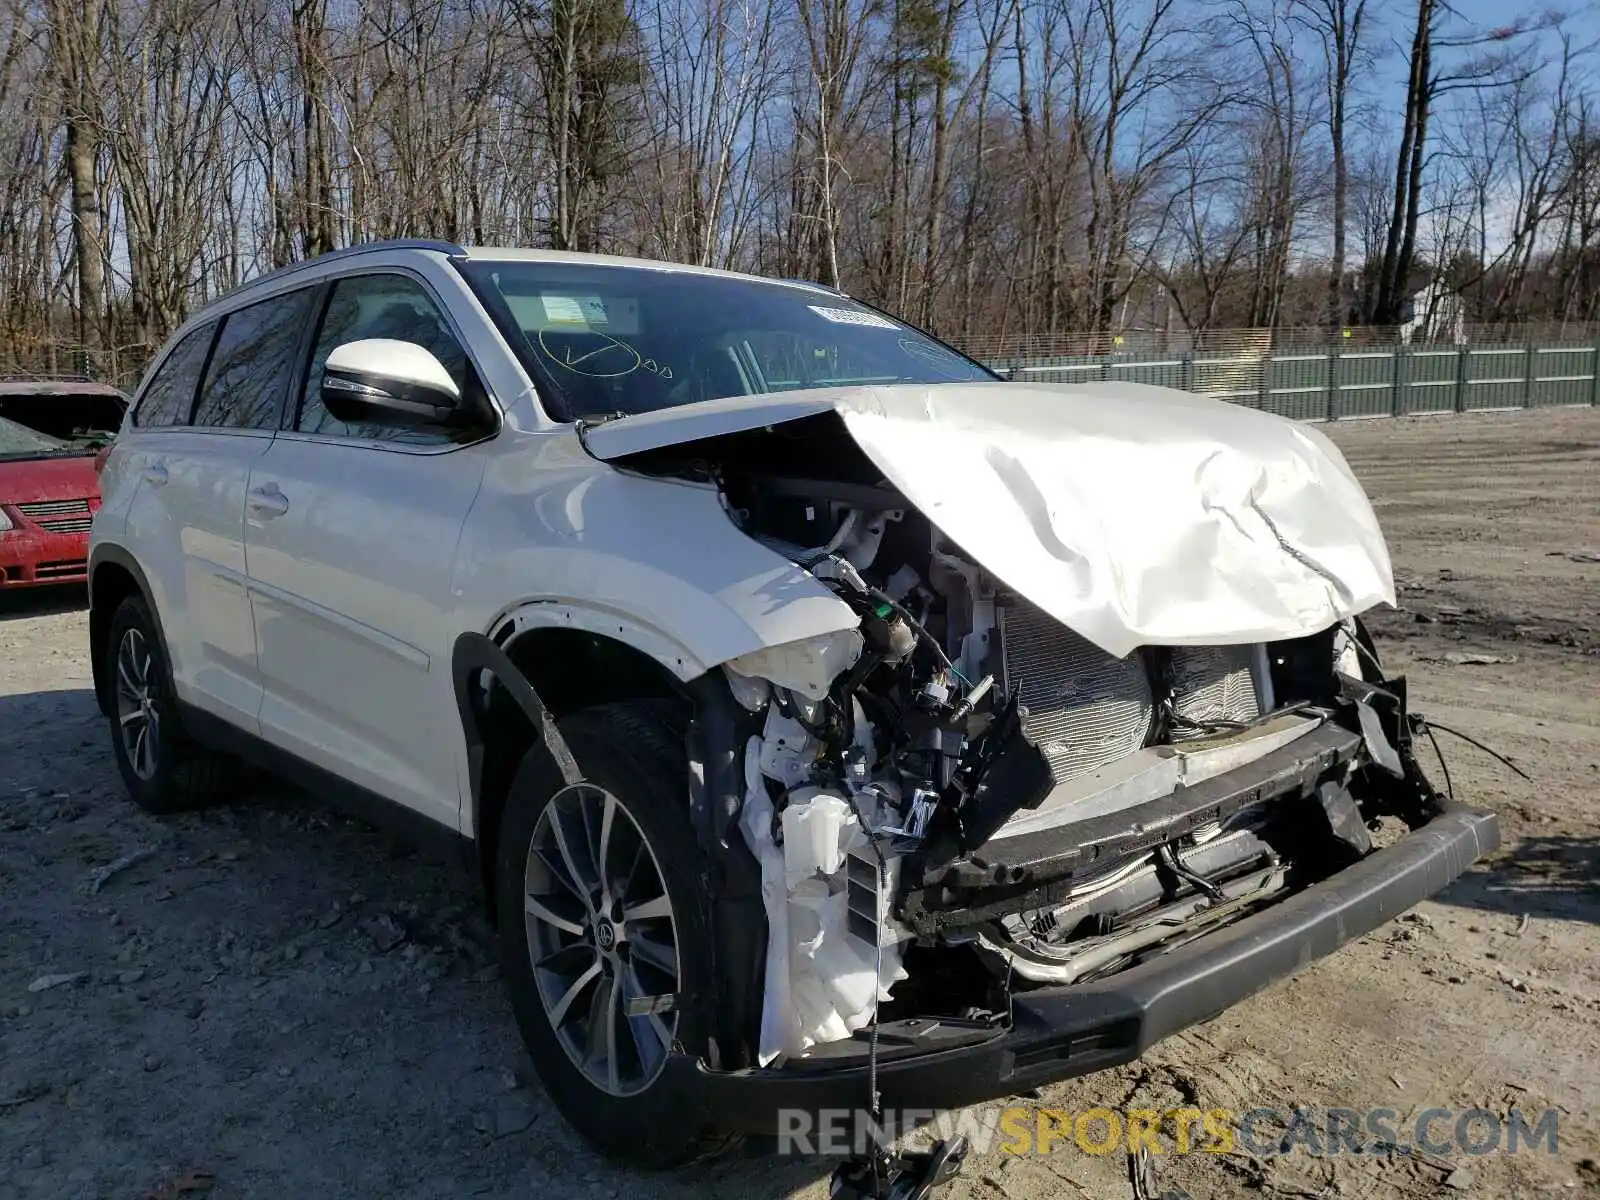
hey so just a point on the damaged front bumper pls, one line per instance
(1039, 867)
(1061, 1032)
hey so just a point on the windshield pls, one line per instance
(604, 340)
(84, 416)
(19, 441)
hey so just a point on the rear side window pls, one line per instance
(171, 392)
(250, 370)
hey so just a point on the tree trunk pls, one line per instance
(76, 42)
(1400, 243)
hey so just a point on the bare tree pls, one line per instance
(1277, 121)
(1000, 170)
(75, 46)
(587, 57)
(1444, 58)
(1141, 93)
(837, 34)
(169, 64)
(1338, 25)
(1576, 283)
(1210, 230)
(712, 73)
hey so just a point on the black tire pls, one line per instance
(635, 751)
(178, 774)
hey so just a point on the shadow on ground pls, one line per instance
(259, 974)
(1544, 876)
(43, 601)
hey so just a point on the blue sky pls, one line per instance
(1582, 16)
(1389, 39)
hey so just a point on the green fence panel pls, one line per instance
(1297, 386)
(1058, 370)
(1163, 372)
(1562, 375)
(1344, 382)
(1365, 383)
(1430, 383)
(1235, 377)
(1497, 377)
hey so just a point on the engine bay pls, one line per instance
(900, 763)
(961, 797)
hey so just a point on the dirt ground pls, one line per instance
(276, 1002)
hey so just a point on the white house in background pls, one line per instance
(1434, 314)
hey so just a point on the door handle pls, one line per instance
(267, 501)
(155, 475)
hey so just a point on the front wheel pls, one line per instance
(609, 966)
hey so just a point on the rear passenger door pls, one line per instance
(350, 567)
(187, 518)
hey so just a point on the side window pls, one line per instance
(251, 368)
(380, 306)
(171, 392)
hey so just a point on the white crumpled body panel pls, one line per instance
(1136, 515)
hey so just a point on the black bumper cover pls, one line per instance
(1058, 1033)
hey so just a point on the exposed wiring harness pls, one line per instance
(1449, 788)
(1471, 741)
(1427, 726)
(847, 572)
(1167, 855)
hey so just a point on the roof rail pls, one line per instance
(250, 285)
(360, 248)
(812, 283)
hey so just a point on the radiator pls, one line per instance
(1086, 709)
(1212, 683)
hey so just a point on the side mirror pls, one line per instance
(389, 382)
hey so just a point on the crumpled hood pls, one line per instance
(1136, 515)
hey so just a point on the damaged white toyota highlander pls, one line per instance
(834, 724)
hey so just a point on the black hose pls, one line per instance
(1169, 856)
(1449, 788)
(1471, 741)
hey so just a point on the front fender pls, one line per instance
(637, 632)
(471, 656)
(557, 539)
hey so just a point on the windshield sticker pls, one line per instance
(852, 316)
(575, 310)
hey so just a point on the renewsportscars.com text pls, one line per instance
(1264, 1132)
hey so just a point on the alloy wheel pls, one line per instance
(138, 714)
(603, 939)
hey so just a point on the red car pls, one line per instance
(49, 487)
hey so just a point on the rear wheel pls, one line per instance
(609, 967)
(163, 770)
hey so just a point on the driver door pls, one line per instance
(351, 533)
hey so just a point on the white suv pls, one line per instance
(834, 724)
